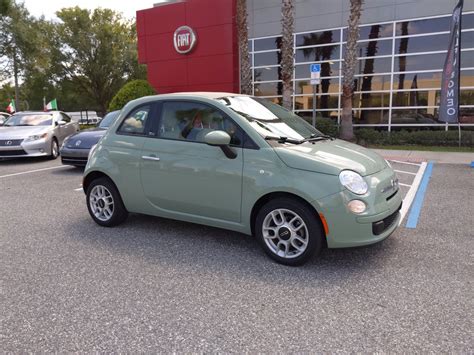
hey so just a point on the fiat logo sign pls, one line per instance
(184, 39)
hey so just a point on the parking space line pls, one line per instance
(79, 189)
(420, 195)
(402, 184)
(33, 171)
(405, 172)
(409, 197)
(404, 162)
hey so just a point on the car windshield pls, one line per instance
(108, 119)
(269, 119)
(30, 120)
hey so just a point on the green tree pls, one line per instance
(287, 44)
(19, 45)
(243, 37)
(131, 91)
(95, 50)
(4, 7)
(348, 69)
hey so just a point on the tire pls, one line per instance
(111, 211)
(289, 243)
(54, 149)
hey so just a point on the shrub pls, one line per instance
(326, 126)
(130, 91)
(367, 136)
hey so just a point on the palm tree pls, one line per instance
(287, 44)
(243, 34)
(348, 69)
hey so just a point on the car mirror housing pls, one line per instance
(61, 123)
(217, 138)
(221, 139)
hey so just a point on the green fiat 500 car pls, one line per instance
(244, 164)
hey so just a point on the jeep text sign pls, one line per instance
(184, 39)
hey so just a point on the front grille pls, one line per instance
(10, 142)
(381, 226)
(74, 161)
(12, 153)
(392, 195)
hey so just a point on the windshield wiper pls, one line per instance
(314, 138)
(283, 139)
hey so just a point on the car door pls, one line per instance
(181, 174)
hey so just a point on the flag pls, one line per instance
(449, 103)
(11, 107)
(52, 105)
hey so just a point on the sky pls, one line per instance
(49, 7)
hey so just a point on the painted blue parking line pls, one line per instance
(472, 164)
(420, 195)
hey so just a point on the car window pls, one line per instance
(65, 118)
(191, 121)
(135, 121)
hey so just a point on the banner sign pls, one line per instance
(449, 104)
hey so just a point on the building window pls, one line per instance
(400, 64)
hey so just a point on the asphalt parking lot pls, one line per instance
(153, 284)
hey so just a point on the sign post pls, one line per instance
(315, 70)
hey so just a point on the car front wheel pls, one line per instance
(54, 149)
(105, 204)
(289, 231)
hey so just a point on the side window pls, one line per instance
(135, 121)
(191, 121)
(65, 118)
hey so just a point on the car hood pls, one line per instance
(331, 157)
(21, 132)
(85, 139)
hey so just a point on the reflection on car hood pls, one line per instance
(331, 157)
(21, 132)
(85, 139)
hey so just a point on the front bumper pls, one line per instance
(76, 157)
(382, 217)
(20, 148)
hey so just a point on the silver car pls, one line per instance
(34, 134)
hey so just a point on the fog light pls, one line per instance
(357, 206)
(41, 150)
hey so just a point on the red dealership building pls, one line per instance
(202, 56)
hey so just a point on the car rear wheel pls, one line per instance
(54, 149)
(105, 204)
(289, 231)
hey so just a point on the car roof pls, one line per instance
(206, 94)
(37, 112)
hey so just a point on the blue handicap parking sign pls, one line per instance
(315, 68)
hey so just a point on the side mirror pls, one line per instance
(61, 123)
(220, 139)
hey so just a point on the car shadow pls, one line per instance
(192, 247)
(68, 171)
(23, 161)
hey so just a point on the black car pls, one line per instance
(75, 149)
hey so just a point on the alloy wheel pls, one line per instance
(101, 203)
(285, 233)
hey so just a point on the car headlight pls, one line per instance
(36, 137)
(353, 182)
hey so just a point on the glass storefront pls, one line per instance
(398, 75)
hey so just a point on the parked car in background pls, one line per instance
(76, 147)
(34, 134)
(3, 117)
(84, 117)
(245, 164)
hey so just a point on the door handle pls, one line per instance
(146, 157)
